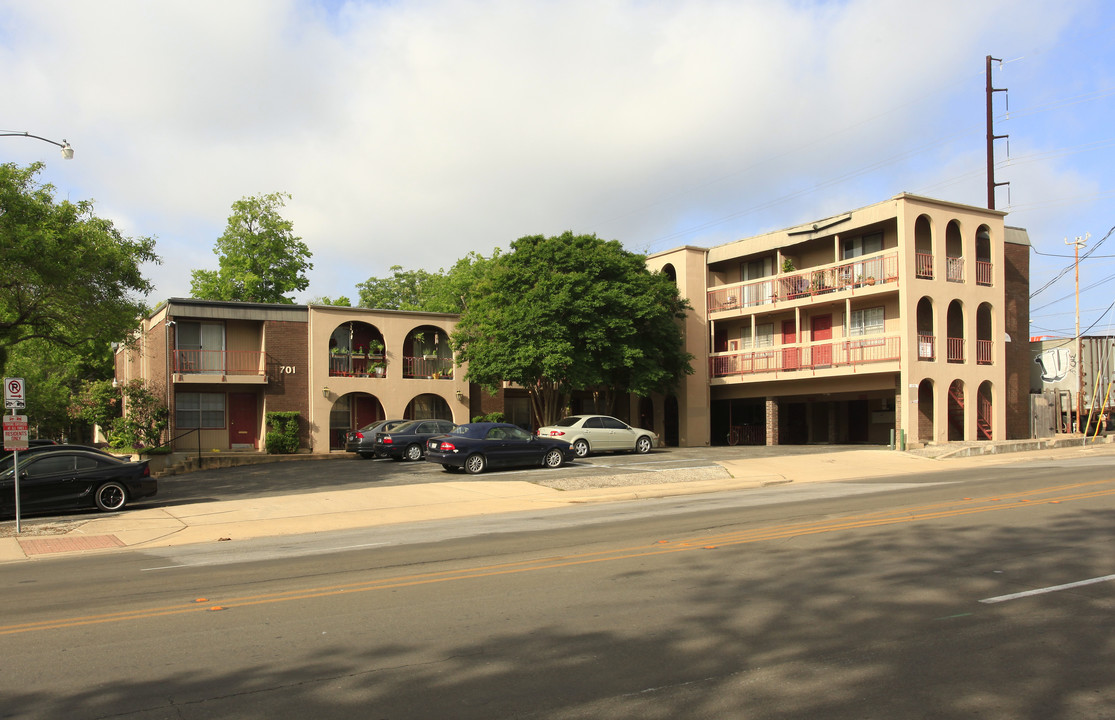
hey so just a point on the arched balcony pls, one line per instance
(955, 320)
(985, 346)
(426, 354)
(356, 350)
(927, 341)
(954, 253)
(923, 248)
(984, 268)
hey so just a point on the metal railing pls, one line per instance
(422, 367)
(219, 362)
(357, 365)
(927, 347)
(859, 273)
(955, 350)
(792, 358)
(954, 269)
(923, 266)
(983, 272)
(985, 350)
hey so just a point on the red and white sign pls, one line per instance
(15, 432)
(14, 397)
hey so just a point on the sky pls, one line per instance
(412, 133)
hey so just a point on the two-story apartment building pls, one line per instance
(909, 316)
(222, 366)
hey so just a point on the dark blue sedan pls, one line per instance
(475, 447)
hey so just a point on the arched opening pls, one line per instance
(984, 344)
(984, 408)
(927, 341)
(426, 354)
(955, 321)
(356, 350)
(926, 419)
(956, 411)
(351, 412)
(669, 271)
(984, 267)
(428, 407)
(923, 248)
(954, 253)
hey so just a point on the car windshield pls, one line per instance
(568, 422)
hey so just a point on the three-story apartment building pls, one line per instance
(905, 319)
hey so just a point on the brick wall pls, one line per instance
(288, 372)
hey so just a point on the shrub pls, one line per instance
(283, 436)
(490, 417)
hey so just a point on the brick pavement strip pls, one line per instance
(43, 545)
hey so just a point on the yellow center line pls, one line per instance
(934, 511)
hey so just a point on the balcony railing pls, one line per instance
(923, 266)
(956, 350)
(983, 272)
(218, 362)
(954, 269)
(984, 352)
(927, 347)
(356, 365)
(860, 273)
(842, 353)
(421, 367)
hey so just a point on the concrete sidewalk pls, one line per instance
(232, 520)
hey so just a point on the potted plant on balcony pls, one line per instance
(375, 349)
(378, 368)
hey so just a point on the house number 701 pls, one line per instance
(287, 369)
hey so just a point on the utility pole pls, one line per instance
(992, 137)
(1079, 345)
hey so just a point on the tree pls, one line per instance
(260, 258)
(67, 277)
(569, 313)
(445, 291)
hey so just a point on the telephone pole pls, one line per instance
(1079, 345)
(992, 137)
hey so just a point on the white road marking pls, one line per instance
(1042, 591)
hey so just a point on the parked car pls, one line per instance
(599, 433)
(363, 441)
(408, 441)
(61, 477)
(475, 447)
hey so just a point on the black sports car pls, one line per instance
(476, 446)
(63, 477)
(408, 441)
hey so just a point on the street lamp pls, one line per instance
(67, 150)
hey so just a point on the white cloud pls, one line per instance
(412, 133)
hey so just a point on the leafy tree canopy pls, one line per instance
(573, 312)
(67, 277)
(260, 257)
(445, 291)
(341, 301)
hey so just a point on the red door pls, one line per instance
(243, 420)
(790, 355)
(821, 328)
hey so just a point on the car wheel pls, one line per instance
(414, 452)
(111, 496)
(642, 445)
(553, 459)
(580, 448)
(475, 464)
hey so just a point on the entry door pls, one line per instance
(821, 326)
(243, 420)
(790, 355)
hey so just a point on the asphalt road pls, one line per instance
(985, 597)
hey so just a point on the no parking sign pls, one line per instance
(14, 398)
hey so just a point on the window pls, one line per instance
(593, 422)
(868, 321)
(764, 336)
(199, 410)
(613, 424)
(756, 269)
(200, 346)
(862, 245)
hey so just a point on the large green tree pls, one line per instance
(573, 312)
(67, 277)
(446, 291)
(260, 257)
